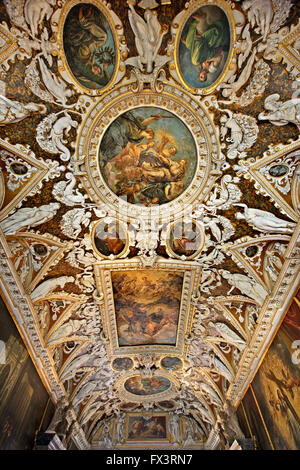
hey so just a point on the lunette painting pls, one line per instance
(148, 156)
(147, 306)
(171, 363)
(122, 363)
(89, 46)
(204, 46)
(143, 428)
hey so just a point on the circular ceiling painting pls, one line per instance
(204, 45)
(145, 386)
(148, 156)
(89, 46)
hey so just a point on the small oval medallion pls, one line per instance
(278, 170)
(204, 46)
(89, 46)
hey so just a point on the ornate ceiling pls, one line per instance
(149, 205)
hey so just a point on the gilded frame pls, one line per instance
(191, 271)
(177, 27)
(151, 441)
(125, 250)
(173, 253)
(117, 32)
(193, 114)
(170, 392)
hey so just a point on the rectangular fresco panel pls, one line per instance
(143, 428)
(147, 306)
(276, 384)
(23, 397)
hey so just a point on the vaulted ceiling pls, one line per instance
(149, 205)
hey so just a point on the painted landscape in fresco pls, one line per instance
(204, 46)
(147, 306)
(148, 156)
(277, 384)
(145, 386)
(23, 397)
(89, 46)
(141, 428)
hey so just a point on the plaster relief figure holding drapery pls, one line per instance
(35, 11)
(246, 285)
(208, 392)
(13, 111)
(281, 113)
(229, 335)
(67, 329)
(174, 428)
(54, 84)
(228, 421)
(94, 358)
(28, 217)
(215, 363)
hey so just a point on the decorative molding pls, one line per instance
(191, 271)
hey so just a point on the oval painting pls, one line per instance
(40, 249)
(122, 363)
(277, 171)
(18, 168)
(138, 385)
(171, 363)
(109, 238)
(204, 45)
(148, 156)
(167, 404)
(185, 239)
(251, 251)
(89, 46)
(128, 406)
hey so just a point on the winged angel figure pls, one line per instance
(148, 38)
(33, 11)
